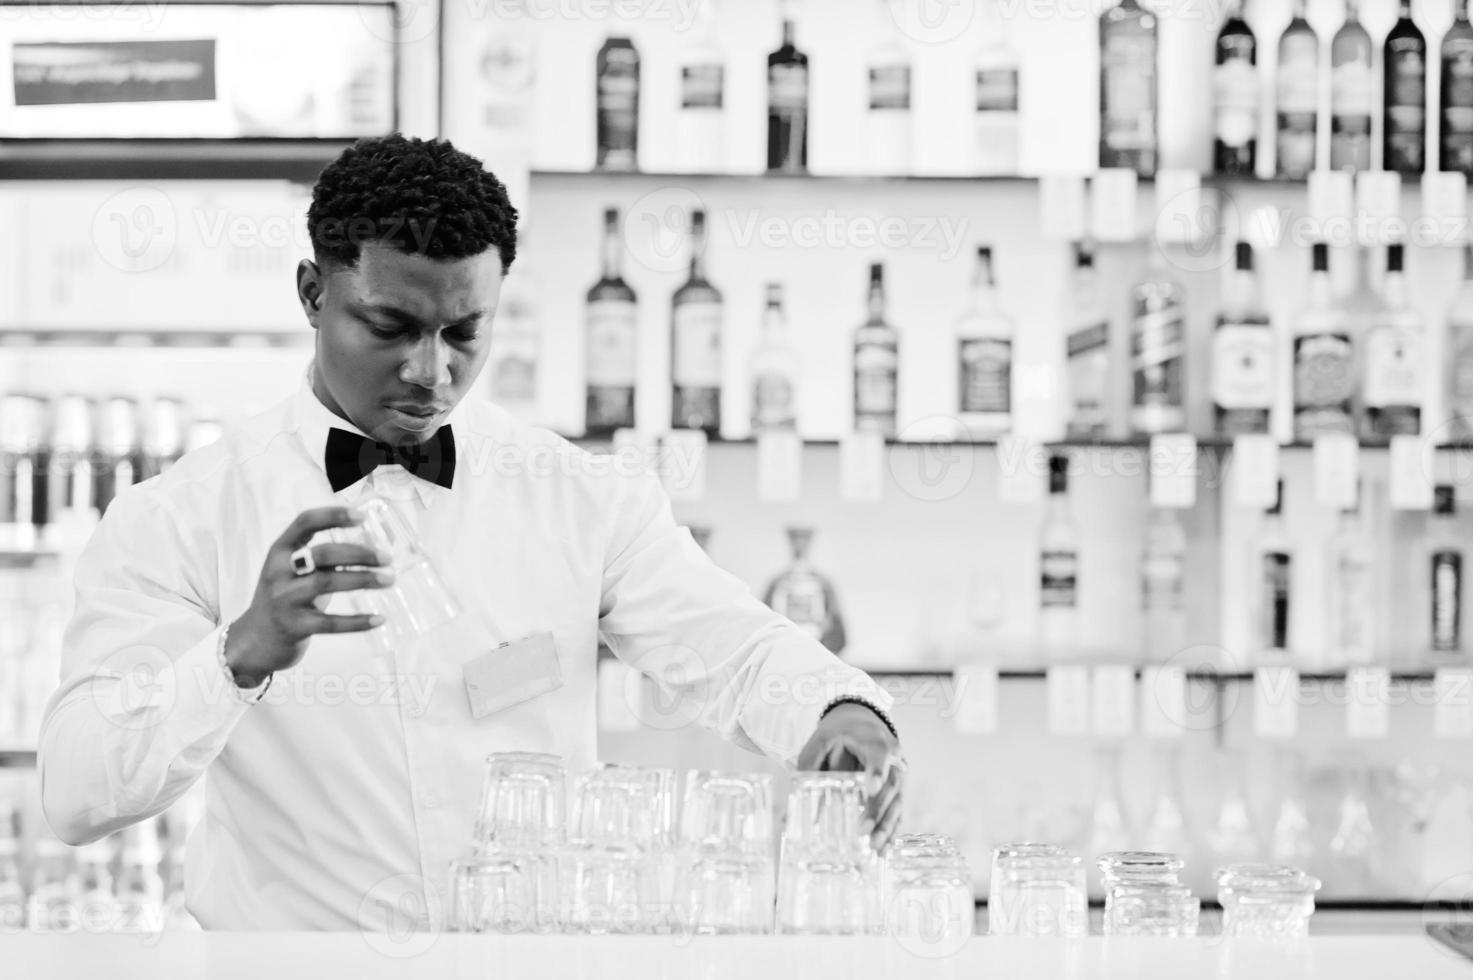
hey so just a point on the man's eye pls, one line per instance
(464, 336)
(386, 333)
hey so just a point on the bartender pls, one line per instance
(334, 769)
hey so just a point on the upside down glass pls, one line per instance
(418, 600)
(928, 891)
(726, 882)
(510, 883)
(1037, 890)
(1266, 901)
(1144, 896)
(829, 878)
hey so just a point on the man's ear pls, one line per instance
(310, 286)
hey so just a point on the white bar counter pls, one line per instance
(328, 956)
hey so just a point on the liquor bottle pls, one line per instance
(1128, 88)
(888, 137)
(1235, 91)
(1458, 356)
(52, 900)
(1352, 94)
(1272, 580)
(774, 370)
(1404, 94)
(787, 106)
(1087, 350)
(1244, 375)
(1352, 592)
(1163, 574)
(163, 437)
(1324, 359)
(1058, 621)
(96, 898)
(700, 123)
(998, 76)
(12, 882)
(20, 467)
(613, 350)
(985, 357)
(1363, 308)
(1395, 382)
(1298, 93)
(618, 105)
(876, 363)
(1445, 557)
(516, 343)
(1157, 352)
(140, 889)
(1456, 100)
(695, 343)
(119, 456)
(807, 597)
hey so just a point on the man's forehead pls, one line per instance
(422, 286)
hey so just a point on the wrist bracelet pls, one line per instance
(854, 699)
(246, 695)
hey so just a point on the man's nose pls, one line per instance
(428, 364)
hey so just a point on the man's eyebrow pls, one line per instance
(388, 309)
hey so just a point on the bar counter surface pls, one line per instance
(325, 956)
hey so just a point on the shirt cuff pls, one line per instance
(207, 703)
(808, 697)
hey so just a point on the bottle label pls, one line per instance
(1447, 591)
(1059, 579)
(1156, 356)
(1393, 370)
(613, 355)
(1129, 66)
(804, 605)
(1089, 367)
(772, 402)
(1276, 581)
(986, 375)
(701, 86)
(1243, 366)
(875, 380)
(889, 87)
(997, 90)
(618, 110)
(1460, 398)
(1324, 373)
(696, 360)
(1161, 581)
(1355, 599)
(1353, 95)
(787, 89)
(1298, 82)
(1235, 88)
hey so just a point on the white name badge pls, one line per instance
(511, 674)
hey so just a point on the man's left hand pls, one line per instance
(852, 738)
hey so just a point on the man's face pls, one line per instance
(400, 338)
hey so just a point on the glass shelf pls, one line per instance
(1208, 180)
(256, 339)
(1217, 443)
(161, 159)
(1403, 676)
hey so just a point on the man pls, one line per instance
(363, 768)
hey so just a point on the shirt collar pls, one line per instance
(311, 420)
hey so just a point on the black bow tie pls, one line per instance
(350, 457)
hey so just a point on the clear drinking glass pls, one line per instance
(929, 898)
(1144, 895)
(825, 817)
(827, 897)
(418, 600)
(1266, 901)
(727, 894)
(617, 873)
(728, 813)
(498, 893)
(725, 882)
(522, 802)
(829, 879)
(1037, 890)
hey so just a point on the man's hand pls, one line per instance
(272, 634)
(852, 738)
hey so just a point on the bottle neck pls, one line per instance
(876, 304)
(984, 287)
(1395, 289)
(1320, 292)
(1243, 291)
(698, 255)
(789, 40)
(613, 254)
(774, 323)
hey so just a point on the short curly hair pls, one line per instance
(423, 197)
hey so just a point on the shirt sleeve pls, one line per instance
(143, 705)
(722, 658)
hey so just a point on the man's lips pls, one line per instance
(421, 411)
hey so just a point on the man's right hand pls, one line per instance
(272, 634)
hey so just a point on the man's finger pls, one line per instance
(888, 823)
(889, 790)
(317, 622)
(342, 555)
(309, 522)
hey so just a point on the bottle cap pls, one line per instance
(876, 273)
(1243, 253)
(1321, 257)
(1278, 504)
(1444, 499)
(1084, 255)
(1394, 257)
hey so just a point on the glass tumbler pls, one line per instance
(728, 813)
(1266, 901)
(522, 802)
(1037, 890)
(498, 893)
(825, 817)
(929, 899)
(418, 600)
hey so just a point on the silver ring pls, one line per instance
(302, 561)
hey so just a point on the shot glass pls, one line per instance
(1266, 901)
(522, 803)
(500, 893)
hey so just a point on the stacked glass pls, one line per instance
(1037, 890)
(829, 876)
(725, 880)
(509, 883)
(1266, 901)
(927, 889)
(612, 871)
(1144, 895)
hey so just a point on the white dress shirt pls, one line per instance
(355, 770)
